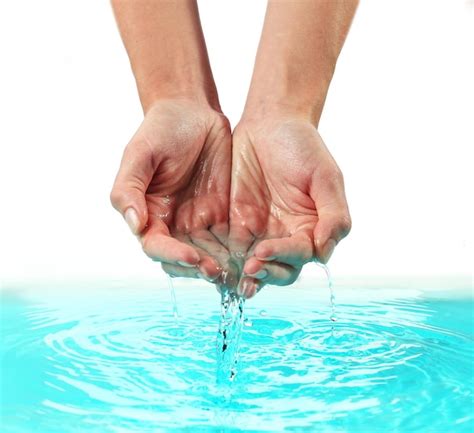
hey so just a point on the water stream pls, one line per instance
(232, 321)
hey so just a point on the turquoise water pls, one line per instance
(114, 357)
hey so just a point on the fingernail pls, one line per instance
(261, 274)
(131, 217)
(247, 289)
(250, 290)
(241, 288)
(269, 258)
(186, 265)
(328, 250)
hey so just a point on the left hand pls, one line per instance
(288, 204)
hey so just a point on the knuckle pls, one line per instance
(344, 224)
(307, 255)
(115, 197)
(294, 276)
(337, 177)
(146, 247)
(223, 122)
(168, 269)
(332, 175)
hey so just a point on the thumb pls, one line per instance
(128, 193)
(332, 226)
(334, 221)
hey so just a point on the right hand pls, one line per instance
(173, 189)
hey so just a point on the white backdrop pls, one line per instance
(399, 120)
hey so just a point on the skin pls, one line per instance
(246, 210)
(175, 176)
(288, 204)
(173, 184)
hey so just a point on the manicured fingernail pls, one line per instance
(186, 265)
(328, 250)
(261, 274)
(131, 217)
(269, 258)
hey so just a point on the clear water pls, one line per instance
(119, 358)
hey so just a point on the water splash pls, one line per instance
(248, 323)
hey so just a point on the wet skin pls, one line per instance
(175, 176)
(288, 205)
(287, 202)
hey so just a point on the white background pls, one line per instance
(399, 120)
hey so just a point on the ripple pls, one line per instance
(383, 364)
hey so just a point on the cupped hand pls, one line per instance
(173, 188)
(288, 204)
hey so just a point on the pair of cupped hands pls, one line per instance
(240, 209)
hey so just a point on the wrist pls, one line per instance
(167, 51)
(200, 90)
(287, 96)
(271, 109)
(265, 109)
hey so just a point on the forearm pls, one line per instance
(299, 47)
(166, 47)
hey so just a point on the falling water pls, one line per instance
(332, 298)
(228, 336)
(173, 299)
(231, 323)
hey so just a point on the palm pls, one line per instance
(278, 169)
(188, 190)
(272, 187)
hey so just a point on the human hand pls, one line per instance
(173, 188)
(288, 204)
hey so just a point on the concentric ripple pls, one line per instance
(124, 363)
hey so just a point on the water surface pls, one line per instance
(113, 358)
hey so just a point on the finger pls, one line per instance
(248, 287)
(209, 268)
(160, 246)
(128, 193)
(180, 271)
(294, 250)
(209, 245)
(208, 265)
(279, 274)
(334, 221)
(246, 224)
(240, 239)
(230, 276)
(184, 272)
(221, 232)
